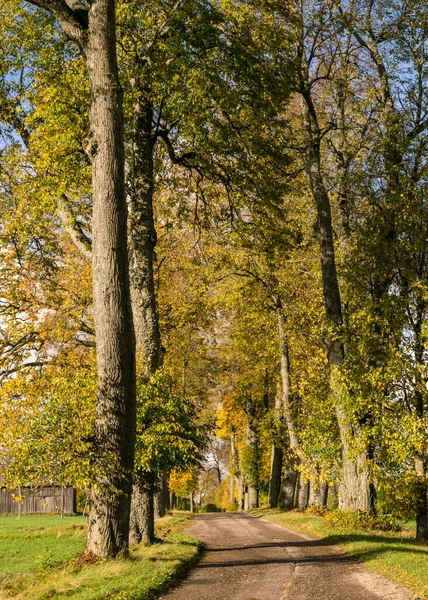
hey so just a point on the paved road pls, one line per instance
(247, 558)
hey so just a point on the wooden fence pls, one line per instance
(49, 499)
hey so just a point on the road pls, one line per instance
(248, 558)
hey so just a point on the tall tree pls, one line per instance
(93, 30)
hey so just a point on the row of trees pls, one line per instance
(244, 142)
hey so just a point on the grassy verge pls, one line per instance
(38, 561)
(396, 556)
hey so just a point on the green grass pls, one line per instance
(26, 542)
(396, 556)
(38, 561)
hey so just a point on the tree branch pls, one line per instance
(73, 17)
(177, 160)
(73, 228)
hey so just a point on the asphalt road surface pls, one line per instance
(248, 558)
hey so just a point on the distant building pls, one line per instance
(48, 499)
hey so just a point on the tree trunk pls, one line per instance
(231, 491)
(303, 493)
(142, 242)
(94, 31)
(355, 482)
(421, 501)
(288, 487)
(285, 378)
(275, 476)
(315, 491)
(240, 485)
(354, 488)
(141, 526)
(161, 498)
(108, 524)
(234, 471)
(252, 477)
(420, 461)
(253, 497)
(276, 456)
(324, 494)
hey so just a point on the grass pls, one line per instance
(396, 556)
(38, 561)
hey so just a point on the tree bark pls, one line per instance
(253, 497)
(142, 242)
(108, 523)
(421, 501)
(276, 457)
(355, 489)
(275, 476)
(303, 493)
(94, 31)
(231, 491)
(288, 488)
(161, 498)
(141, 526)
(252, 494)
(324, 494)
(234, 469)
(315, 491)
(241, 494)
(421, 490)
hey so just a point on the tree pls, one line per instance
(93, 30)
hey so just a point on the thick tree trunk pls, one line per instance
(421, 501)
(141, 526)
(231, 490)
(275, 476)
(161, 498)
(303, 493)
(276, 456)
(253, 497)
(315, 492)
(355, 489)
(94, 31)
(234, 471)
(142, 242)
(252, 449)
(288, 488)
(420, 462)
(108, 524)
(324, 494)
(240, 486)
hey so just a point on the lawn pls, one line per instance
(38, 561)
(396, 556)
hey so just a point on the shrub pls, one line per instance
(363, 520)
(211, 508)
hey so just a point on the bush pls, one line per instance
(363, 520)
(211, 508)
